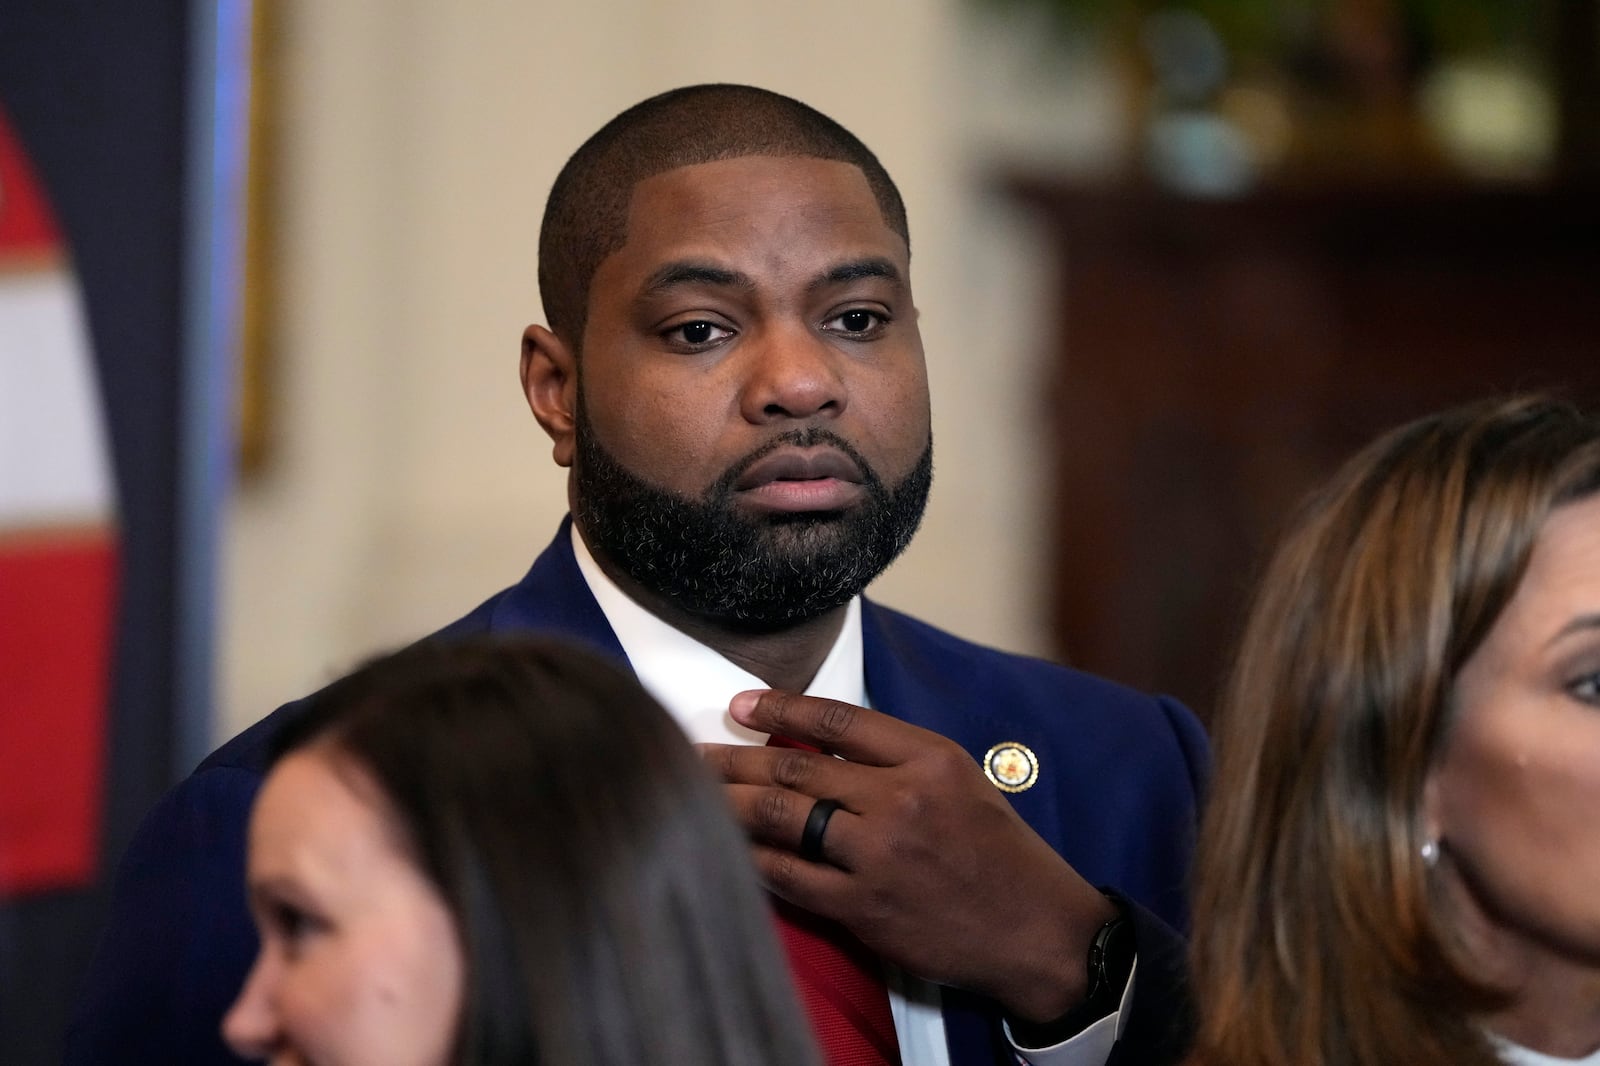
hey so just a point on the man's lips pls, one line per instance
(794, 464)
(791, 479)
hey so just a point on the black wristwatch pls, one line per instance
(1111, 956)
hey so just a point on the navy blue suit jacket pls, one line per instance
(1119, 777)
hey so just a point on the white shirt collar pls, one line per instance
(692, 681)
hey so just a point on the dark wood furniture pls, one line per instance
(1216, 359)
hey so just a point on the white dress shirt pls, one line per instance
(695, 684)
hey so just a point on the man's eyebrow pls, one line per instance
(688, 272)
(856, 270)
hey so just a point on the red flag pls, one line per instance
(58, 552)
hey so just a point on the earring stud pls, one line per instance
(1430, 853)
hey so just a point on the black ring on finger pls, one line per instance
(816, 825)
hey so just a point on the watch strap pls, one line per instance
(1109, 965)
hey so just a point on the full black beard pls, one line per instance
(760, 574)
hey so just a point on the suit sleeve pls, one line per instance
(179, 939)
(1196, 747)
(1161, 1018)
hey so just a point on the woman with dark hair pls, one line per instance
(1401, 858)
(504, 852)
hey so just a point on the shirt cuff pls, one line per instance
(1092, 1047)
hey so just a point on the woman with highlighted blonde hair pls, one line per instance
(1401, 858)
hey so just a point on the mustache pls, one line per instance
(813, 437)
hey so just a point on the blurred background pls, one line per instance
(1173, 261)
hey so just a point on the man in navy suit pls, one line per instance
(733, 375)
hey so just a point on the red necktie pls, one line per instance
(839, 981)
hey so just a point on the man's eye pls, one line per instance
(1586, 688)
(858, 321)
(697, 333)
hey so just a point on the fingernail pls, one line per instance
(743, 706)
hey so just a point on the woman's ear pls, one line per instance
(550, 383)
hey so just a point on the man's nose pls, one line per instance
(251, 1026)
(794, 373)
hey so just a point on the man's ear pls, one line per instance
(550, 382)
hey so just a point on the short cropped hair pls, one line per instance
(586, 217)
(1319, 938)
(605, 902)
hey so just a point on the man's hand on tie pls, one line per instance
(925, 861)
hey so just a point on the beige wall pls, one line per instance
(419, 139)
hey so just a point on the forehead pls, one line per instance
(311, 815)
(1566, 557)
(755, 208)
(1562, 581)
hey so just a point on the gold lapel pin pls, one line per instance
(1011, 767)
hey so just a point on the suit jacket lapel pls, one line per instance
(904, 680)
